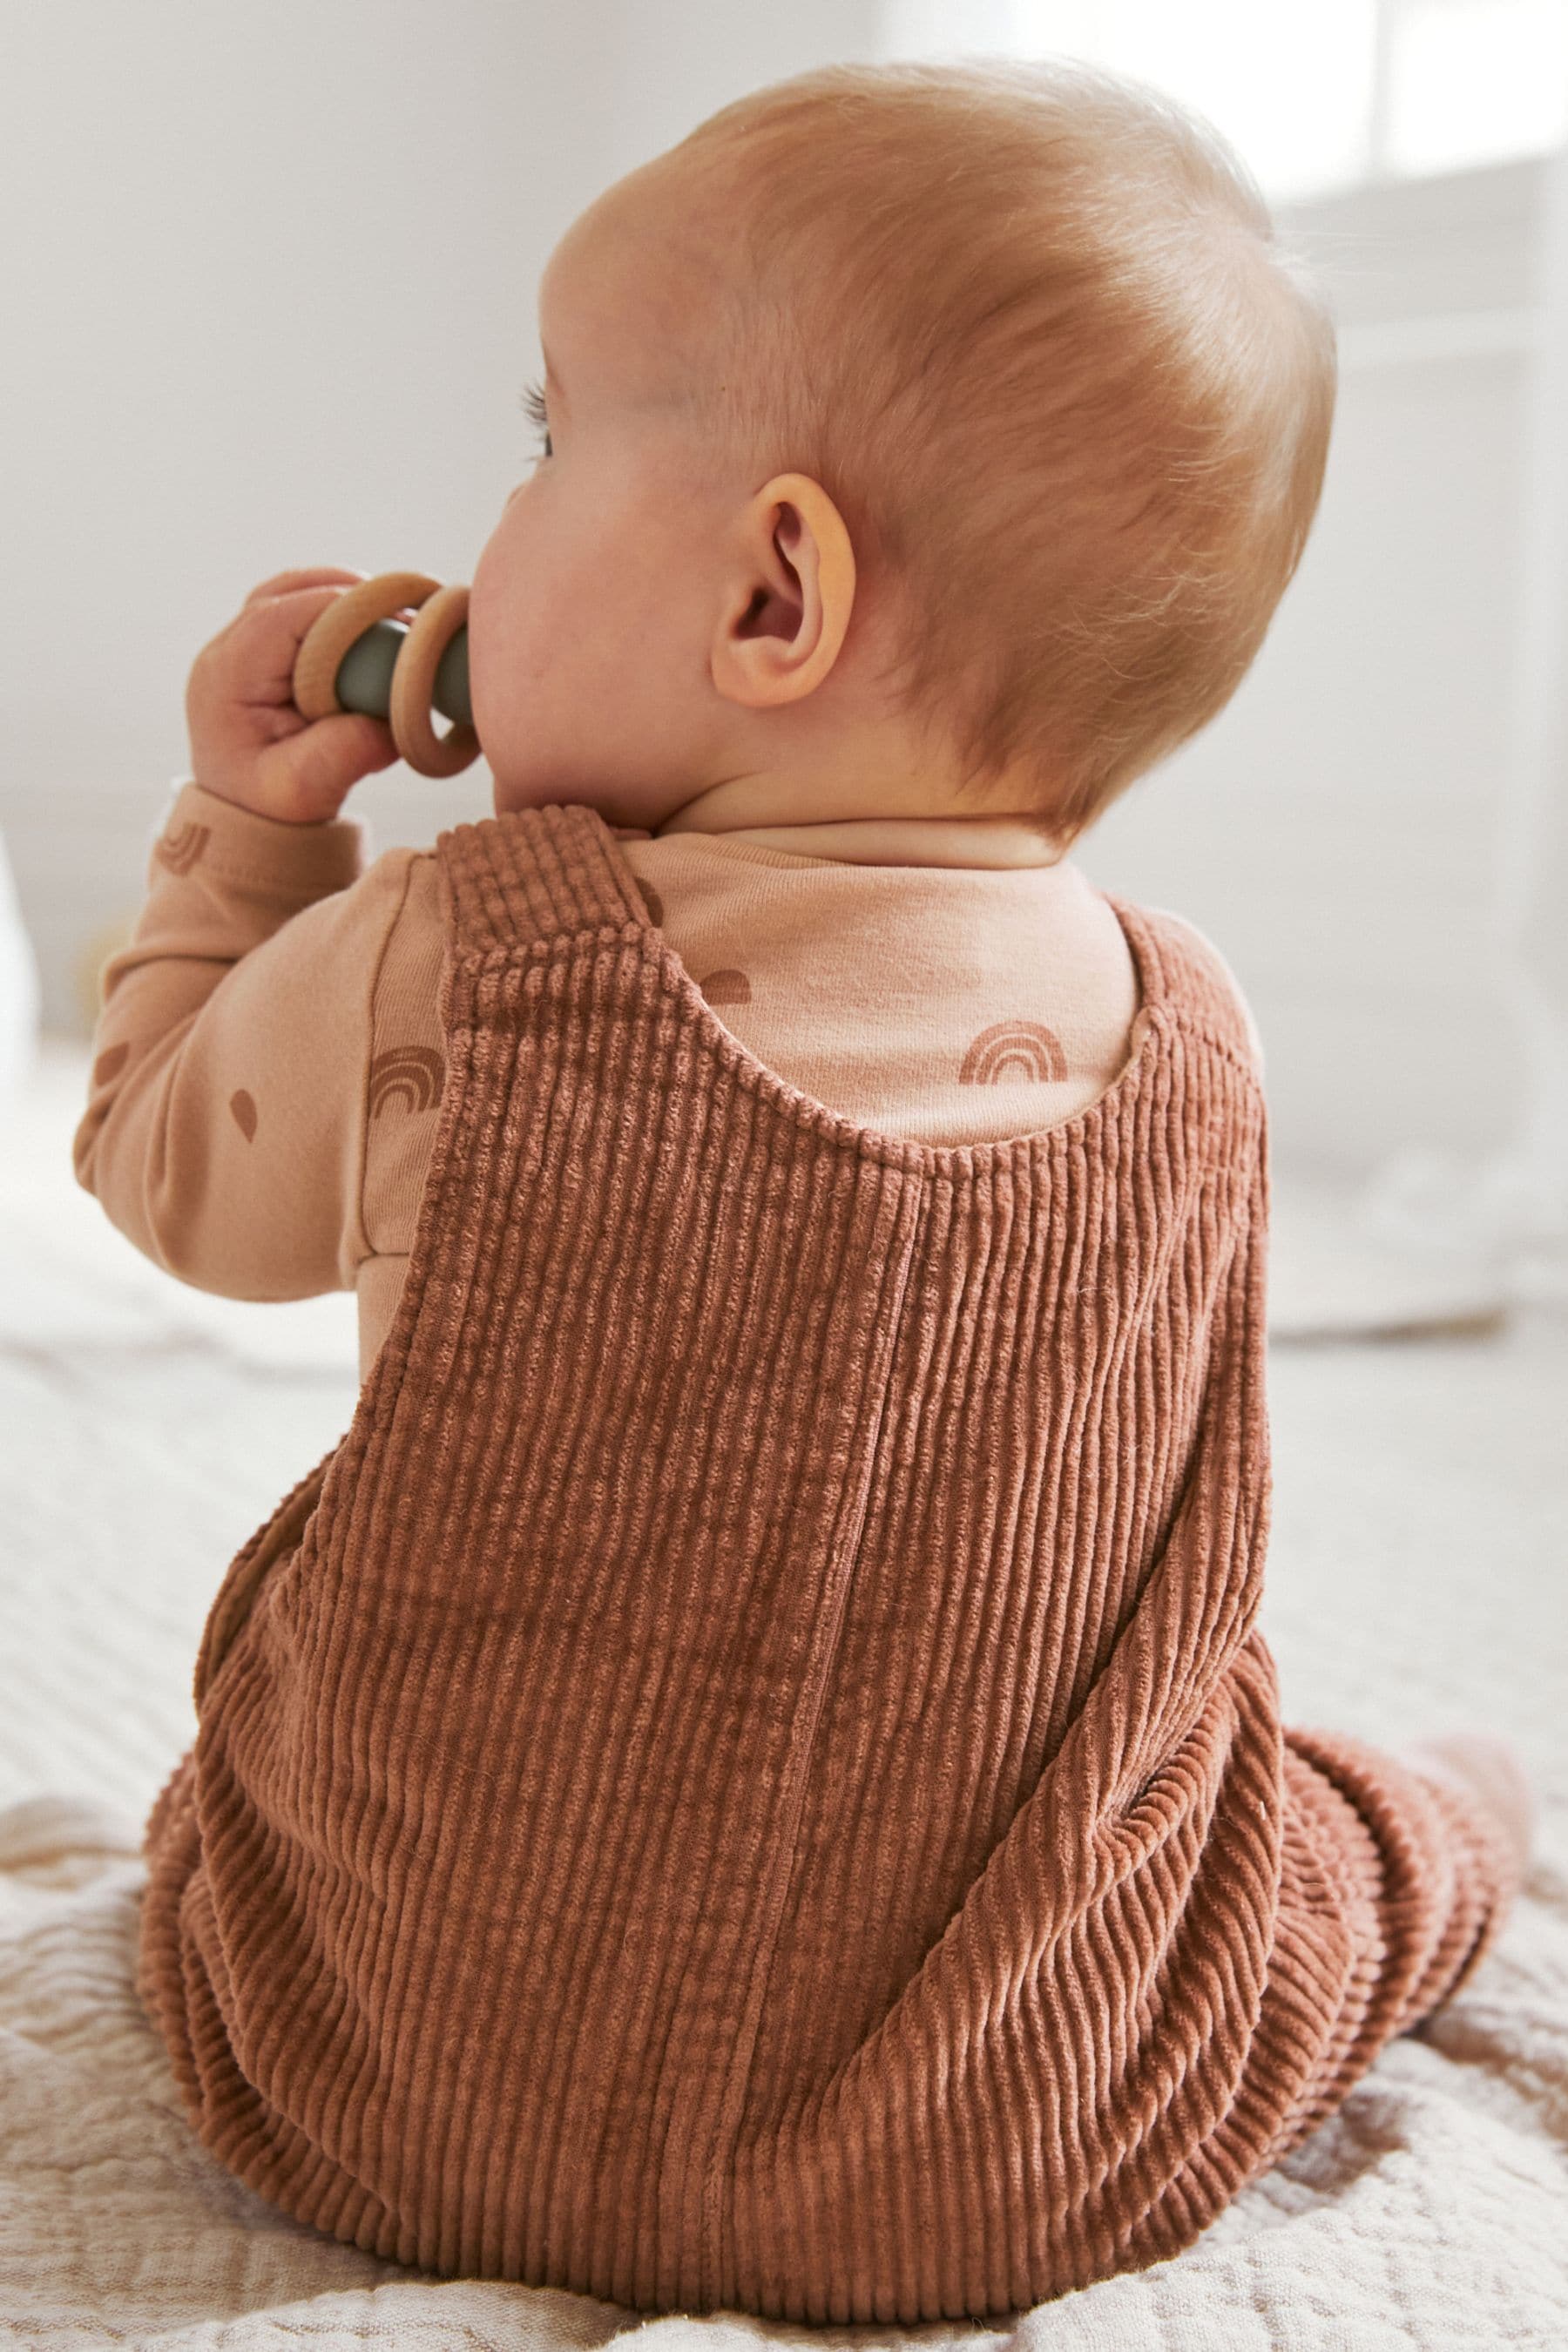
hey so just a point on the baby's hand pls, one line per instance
(249, 742)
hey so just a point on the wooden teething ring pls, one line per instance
(441, 614)
(436, 624)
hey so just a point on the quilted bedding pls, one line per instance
(1416, 1577)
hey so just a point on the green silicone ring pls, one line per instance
(364, 681)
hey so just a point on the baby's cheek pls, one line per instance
(495, 639)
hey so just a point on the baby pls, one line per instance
(749, 1776)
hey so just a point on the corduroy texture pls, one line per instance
(749, 1776)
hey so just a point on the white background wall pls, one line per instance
(270, 275)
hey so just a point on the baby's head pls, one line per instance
(925, 440)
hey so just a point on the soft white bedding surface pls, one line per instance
(1418, 1576)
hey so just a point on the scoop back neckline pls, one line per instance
(914, 1157)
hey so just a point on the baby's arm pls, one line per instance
(226, 1123)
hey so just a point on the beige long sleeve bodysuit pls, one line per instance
(267, 1060)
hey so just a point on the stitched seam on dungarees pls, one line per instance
(733, 2106)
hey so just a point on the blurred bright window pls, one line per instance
(1325, 95)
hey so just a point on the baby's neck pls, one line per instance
(893, 841)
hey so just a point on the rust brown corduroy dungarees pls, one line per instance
(749, 1776)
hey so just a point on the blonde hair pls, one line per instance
(1030, 326)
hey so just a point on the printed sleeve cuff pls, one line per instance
(300, 860)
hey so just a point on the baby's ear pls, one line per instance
(788, 602)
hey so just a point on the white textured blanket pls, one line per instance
(1418, 1576)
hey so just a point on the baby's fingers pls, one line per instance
(260, 650)
(282, 581)
(308, 775)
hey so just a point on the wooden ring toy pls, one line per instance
(345, 620)
(436, 624)
(363, 612)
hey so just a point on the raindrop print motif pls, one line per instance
(1011, 1050)
(179, 851)
(243, 1106)
(408, 1078)
(110, 1064)
(726, 987)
